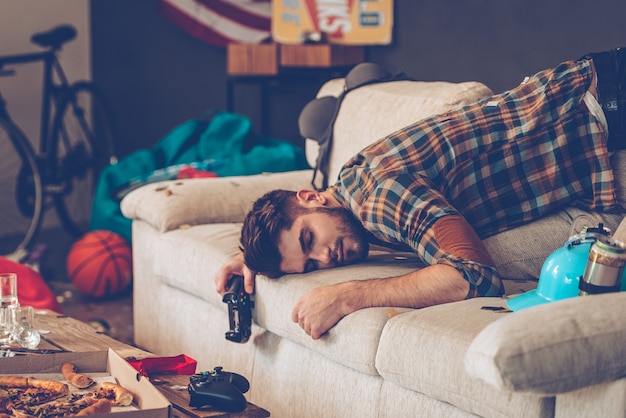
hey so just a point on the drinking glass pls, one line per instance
(8, 289)
(25, 332)
(6, 324)
(8, 304)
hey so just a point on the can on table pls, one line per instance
(605, 265)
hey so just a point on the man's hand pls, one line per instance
(320, 309)
(235, 266)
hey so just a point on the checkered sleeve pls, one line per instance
(405, 209)
(484, 280)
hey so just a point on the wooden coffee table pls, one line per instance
(62, 333)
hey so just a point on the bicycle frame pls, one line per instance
(68, 156)
(50, 90)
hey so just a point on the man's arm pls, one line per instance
(235, 266)
(320, 309)
(463, 269)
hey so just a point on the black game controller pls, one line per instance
(239, 311)
(223, 390)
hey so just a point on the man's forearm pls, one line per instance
(320, 309)
(428, 286)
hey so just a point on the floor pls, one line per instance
(112, 316)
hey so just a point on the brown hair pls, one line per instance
(270, 214)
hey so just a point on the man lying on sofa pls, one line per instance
(441, 185)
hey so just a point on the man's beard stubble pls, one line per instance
(351, 228)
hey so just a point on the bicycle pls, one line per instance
(76, 142)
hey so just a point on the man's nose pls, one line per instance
(322, 255)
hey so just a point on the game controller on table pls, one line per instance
(223, 390)
(239, 311)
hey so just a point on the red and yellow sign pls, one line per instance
(347, 22)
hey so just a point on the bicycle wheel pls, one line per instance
(82, 144)
(21, 189)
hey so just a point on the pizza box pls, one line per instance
(148, 402)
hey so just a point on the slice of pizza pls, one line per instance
(121, 395)
(51, 385)
(23, 393)
(101, 406)
(29, 397)
(73, 377)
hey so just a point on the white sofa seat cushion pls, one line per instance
(606, 400)
(553, 348)
(520, 253)
(189, 258)
(423, 350)
(353, 342)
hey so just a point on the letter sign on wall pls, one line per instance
(347, 22)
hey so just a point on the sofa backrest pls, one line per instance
(376, 110)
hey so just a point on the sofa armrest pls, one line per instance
(553, 348)
(171, 204)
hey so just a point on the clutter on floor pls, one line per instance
(49, 286)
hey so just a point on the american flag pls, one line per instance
(220, 22)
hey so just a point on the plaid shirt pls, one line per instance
(502, 162)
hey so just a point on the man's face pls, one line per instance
(321, 239)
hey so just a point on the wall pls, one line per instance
(158, 76)
(18, 21)
(498, 42)
(154, 74)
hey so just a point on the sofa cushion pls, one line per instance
(423, 350)
(353, 342)
(520, 253)
(606, 400)
(381, 109)
(189, 258)
(553, 348)
(618, 163)
(170, 204)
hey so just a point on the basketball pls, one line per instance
(100, 264)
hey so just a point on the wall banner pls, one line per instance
(347, 22)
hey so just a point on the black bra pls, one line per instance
(317, 119)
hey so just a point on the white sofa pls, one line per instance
(563, 359)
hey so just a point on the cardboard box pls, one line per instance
(148, 401)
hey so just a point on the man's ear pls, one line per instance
(311, 198)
